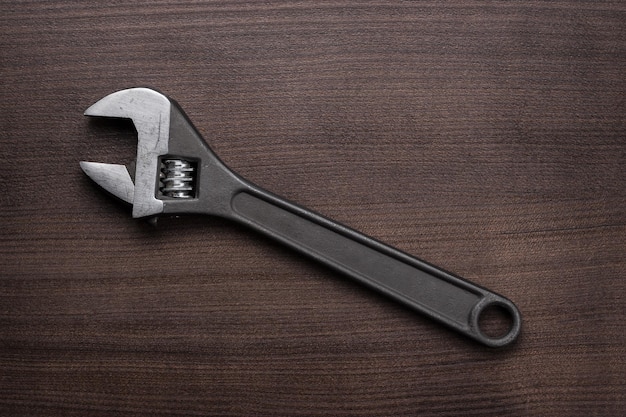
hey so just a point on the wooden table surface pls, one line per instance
(488, 138)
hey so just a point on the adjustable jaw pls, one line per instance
(175, 171)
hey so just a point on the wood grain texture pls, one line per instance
(486, 137)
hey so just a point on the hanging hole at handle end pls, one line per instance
(495, 321)
(498, 323)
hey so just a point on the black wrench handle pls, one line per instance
(444, 297)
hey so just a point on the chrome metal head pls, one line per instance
(150, 112)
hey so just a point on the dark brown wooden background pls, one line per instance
(486, 137)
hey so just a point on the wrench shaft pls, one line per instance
(429, 290)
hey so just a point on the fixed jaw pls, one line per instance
(150, 112)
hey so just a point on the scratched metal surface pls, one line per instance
(486, 137)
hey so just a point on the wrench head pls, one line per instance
(150, 112)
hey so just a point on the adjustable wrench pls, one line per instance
(176, 173)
